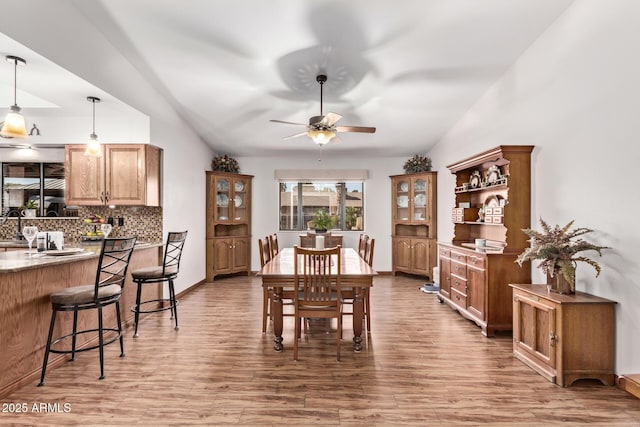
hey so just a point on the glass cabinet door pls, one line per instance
(419, 200)
(240, 202)
(223, 194)
(403, 211)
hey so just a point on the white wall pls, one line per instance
(377, 202)
(60, 32)
(575, 95)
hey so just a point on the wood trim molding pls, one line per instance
(630, 384)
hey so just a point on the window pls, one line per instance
(42, 183)
(299, 202)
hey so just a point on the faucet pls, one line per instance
(19, 235)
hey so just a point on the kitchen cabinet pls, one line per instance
(228, 219)
(125, 175)
(564, 337)
(493, 203)
(414, 223)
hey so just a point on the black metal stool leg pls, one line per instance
(46, 352)
(101, 342)
(73, 337)
(137, 312)
(172, 295)
(120, 328)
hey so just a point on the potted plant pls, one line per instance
(558, 249)
(322, 221)
(225, 164)
(29, 209)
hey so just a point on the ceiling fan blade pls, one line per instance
(330, 119)
(287, 123)
(364, 129)
(294, 136)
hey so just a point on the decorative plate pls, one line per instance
(420, 185)
(493, 174)
(404, 186)
(475, 180)
(493, 202)
(223, 200)
(223, 185)
(239, 186)
(420, 201)
(403, 201)
(63, 252)
(238, 201)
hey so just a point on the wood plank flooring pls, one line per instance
(422, 364)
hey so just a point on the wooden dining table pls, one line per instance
(278, 276)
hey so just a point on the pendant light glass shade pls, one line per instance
(321, 137)
(14, 124)
(94, 149)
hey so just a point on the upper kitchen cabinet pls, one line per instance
(126, 174)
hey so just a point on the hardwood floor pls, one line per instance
(422, 364)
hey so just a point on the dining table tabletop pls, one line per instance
(278, 276)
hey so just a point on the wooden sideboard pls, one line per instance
(564, 337)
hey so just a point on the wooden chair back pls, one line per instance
(362, 244)
(273, 243)
(265, 251)
(368, 253)
(308, 241)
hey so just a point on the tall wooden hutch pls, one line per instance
(228, 248)
(492, 203)
(414, 226)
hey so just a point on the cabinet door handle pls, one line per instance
(102, 196)
(106, 197)
(553, 337)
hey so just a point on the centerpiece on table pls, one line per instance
(322, 221)
(558, 249)
(225, 163)
(417, 164)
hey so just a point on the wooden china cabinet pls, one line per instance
(228, 240)
(413, 232)
(125, 175)
(492, 203)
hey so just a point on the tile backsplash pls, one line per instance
(145, 222)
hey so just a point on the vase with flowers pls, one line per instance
(557, 249)
(225, 163)
(417, 164)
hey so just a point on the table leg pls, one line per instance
(358, 316)
(276, 307)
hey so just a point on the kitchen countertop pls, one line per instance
(19, 260)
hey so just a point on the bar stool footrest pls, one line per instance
(78, 350)
(164, 300)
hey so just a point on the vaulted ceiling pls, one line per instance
(410, 68)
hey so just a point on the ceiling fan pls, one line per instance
(322, 129)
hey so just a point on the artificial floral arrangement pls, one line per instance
(225, 164)
(417, 164)
(557, 250)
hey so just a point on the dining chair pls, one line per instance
(307, 241)
(111, 273)
(362, 244)
(167, 272)
(273, 244)
(333, 241)
(347, 294)
(265, 257)
(318, 294)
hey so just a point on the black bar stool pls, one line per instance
(110, 277)
(161, 273)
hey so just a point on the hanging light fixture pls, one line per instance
(14, 124)
(93, 146)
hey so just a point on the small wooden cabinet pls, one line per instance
(564, 337)
(493, 202)
(228, 240)
(125, 175)
(414, 223)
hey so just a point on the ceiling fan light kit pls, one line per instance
(14, 124)
(93, 145)
(322, 129)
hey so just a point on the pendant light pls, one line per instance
(14, 124)
(93, 146)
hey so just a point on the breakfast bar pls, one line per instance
(26, 281)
